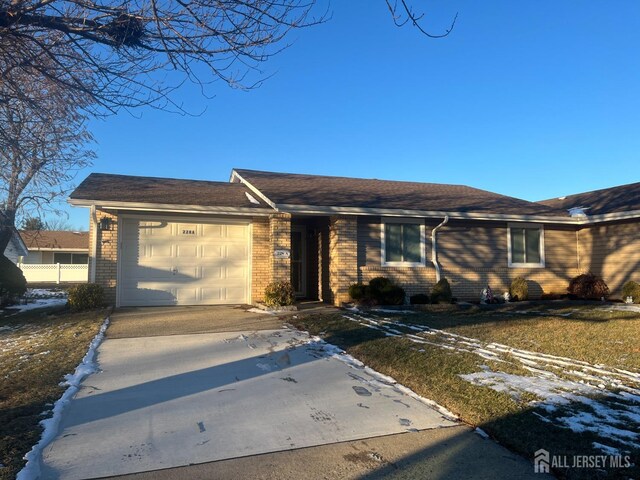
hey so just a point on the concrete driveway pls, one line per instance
(222, 403)
(167, 401)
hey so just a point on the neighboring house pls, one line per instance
(16, 249)
(56, 246)
(55, 256)
(158, 241)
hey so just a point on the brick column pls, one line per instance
(343, 257)
(280, 234)
(261, 253)
(107, 255)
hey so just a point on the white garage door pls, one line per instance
(181, 263)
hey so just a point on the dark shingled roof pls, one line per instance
(624, 198)
(125, 188)
(296, 189)
(55, 239)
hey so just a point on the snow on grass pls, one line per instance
(87, 366)
(570, 393)
(38, 303)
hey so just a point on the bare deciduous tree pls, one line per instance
(43, 142)
(139, 51)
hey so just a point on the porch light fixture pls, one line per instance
(105, 224)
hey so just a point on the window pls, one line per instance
(526, 245)
(403, 243)
(70, 258)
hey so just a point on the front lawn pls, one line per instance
(37, 348)
(562, 378)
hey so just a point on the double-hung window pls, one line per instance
(526, 245)
(403, 242)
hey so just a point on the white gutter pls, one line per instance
(165, 207)
(434, 246)
(394, 212)
(94, 245)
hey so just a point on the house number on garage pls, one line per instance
(282, 253)
(188, 232)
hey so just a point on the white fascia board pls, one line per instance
(267, 200)
(323, 210)
(170, 208)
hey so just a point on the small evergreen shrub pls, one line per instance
(441, 292)
(588, 287)
(85, 297)
(12, 282)
(631, 289)
(519, 290)
(358, 292)
(419, 299)
(383, 291)
(279, 294)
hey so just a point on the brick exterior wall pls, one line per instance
(280, 235)
(107, 255)
(343, 260)
(260, 254)
(472, 255)
(611, 250)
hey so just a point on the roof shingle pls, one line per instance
(55, 239)
(624, 198)
(126, 188)
(298, 189)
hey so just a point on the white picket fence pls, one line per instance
(54, 272)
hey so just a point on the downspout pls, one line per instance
(434, 247)
(94, 245)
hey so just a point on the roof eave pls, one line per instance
(394, 212)
(169, 208)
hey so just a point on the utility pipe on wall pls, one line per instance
(94, 245)
(434, 247)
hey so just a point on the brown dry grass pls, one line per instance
(37, 349)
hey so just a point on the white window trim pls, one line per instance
(542, 249)
(383, 249)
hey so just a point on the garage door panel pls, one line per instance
(166, 263)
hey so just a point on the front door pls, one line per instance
(299, 260)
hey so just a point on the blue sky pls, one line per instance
(533, 99)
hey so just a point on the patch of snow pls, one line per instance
(481, 432)
(388, 310)
(259, 310)
(38, 303)
(87, 366)
(264, 367)
(606, 449)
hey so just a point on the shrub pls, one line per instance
(631, 289)
(358, 292)
(279, 294)
(588, 287)
(519, 289)
(441, 292)
(384, 292)
(419, 299)
(86, 297)
(12, 282)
